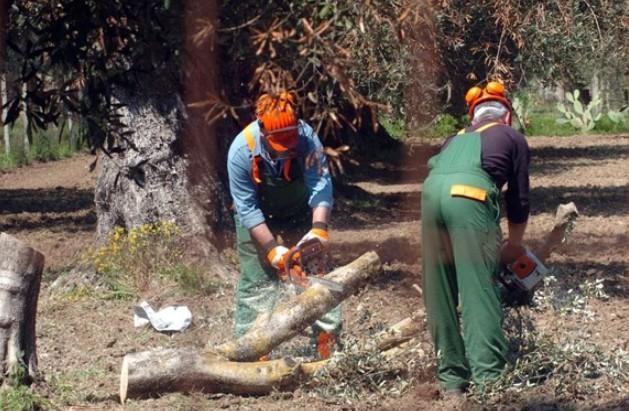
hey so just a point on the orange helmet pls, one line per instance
(278, 122)
(493, 91)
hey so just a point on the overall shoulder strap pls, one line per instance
(251, 143)
(480, 129)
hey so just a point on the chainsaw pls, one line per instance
(522, 277)
(306, 264)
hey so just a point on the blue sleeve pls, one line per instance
(316, 171)
(242, 187)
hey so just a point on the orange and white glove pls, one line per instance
(320, 234)
(277, 257)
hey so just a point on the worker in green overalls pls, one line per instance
(281, 187)
(462, 240)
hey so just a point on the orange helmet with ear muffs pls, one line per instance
(277, 116)
(493, 91)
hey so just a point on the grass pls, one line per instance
(16, 396)
(147, 258)
(21, 398)
(46, 145)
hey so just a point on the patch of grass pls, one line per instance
(545, 124)
(395, 127)
(145, 258)
(21, 398)
(606, 126)
(446, 125)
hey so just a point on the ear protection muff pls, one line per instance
(494, 90)
(473, 94)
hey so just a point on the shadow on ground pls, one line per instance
(57, 200)
(548, 160)
(590, 200)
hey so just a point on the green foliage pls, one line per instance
(17, 396)
(446, 125)
(395, 127)
(21, 398)
(545, 124)
(578, 116)
(606, 125)
(90, 50)
(147, 258)
(343, 56)
(620, 117)
(561, 41)
(521, 108)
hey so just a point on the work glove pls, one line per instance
(277, 257)
(509, 253)
(320, 234)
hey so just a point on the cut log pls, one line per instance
(564, 218)
(152, 373)
(20, 277)
(291, 317)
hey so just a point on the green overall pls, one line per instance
(285, 206)
(461, 238)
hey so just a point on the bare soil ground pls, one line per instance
(82, 338)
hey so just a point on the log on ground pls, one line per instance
(293, 316)
(152, 373)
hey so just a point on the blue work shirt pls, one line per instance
(310, 158)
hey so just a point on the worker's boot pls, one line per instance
(326, 344)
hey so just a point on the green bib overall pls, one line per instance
(285, 207)
(461, 238)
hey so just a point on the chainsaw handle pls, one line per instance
(291, 257)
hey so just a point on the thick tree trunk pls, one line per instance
(153, 373)
(20, 277)
(289, 318)
(4, 20)
(146, 181)
(170, 170)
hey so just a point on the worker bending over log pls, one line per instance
(461, 238)
(280, 183)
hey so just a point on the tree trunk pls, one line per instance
(145, 181)
(4, 21)
(171, 171)
(289, 318)
(26, 120)
(20, 276)
(153, 373)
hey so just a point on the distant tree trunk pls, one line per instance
(170, 168)
(25, 118)
(4, 19)
(20, 277)
(422, 93)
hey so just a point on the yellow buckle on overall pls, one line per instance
(474, 193)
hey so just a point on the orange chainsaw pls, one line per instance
(306, 264)
(522, 277)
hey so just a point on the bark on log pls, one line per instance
(564, 217)
(291, 317)
(20, 277)
(152, 373)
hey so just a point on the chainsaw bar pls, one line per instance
(329, 284)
